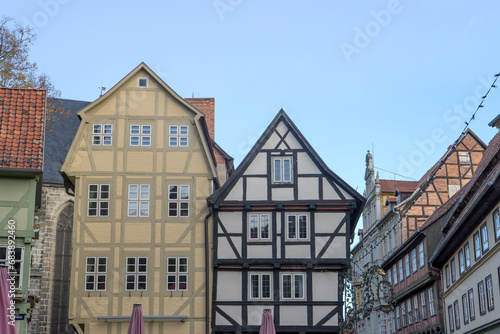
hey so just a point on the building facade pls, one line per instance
(283, 224)
(22, 122)
(141, 167)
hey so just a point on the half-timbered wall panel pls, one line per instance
(305, 165)
(325, 286)
(293, 315)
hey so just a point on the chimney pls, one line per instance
(206, 106)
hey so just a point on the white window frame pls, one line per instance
(16, 270)
(464, 158)
(409, 309)
(138, 274)
(101, 200)
(490, 302)
(102, 134)
(279, 175)
(432, 305)
(404, 314)
(465, 308)
(451, 321)
(407, 265)
(389, 275)
(294, 293)
(395, 274)
(260, 286)
(178, 136)
(414, 263)
(477, 246)
(423, 304)
(472, 310)
(496, 224)
(297, 225)
(138, 200)
(485, 246)
(416, 307)
(456, 314)
(453, 270)
(461, 262)
(421, 255)
(259, 220)
(139, 82)
(99, 271)
(482, 297)
(398, 317)
(467, 256)
(401, 272)
(177, 200)
(140, 135)
(178, 273)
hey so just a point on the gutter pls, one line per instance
(207, 273)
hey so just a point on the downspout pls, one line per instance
(207, 274)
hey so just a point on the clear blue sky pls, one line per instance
(352, 75)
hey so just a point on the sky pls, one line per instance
(397, 77)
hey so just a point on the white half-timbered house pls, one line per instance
(283, 224)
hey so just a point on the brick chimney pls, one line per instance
(206, 106)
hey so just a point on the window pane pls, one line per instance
(264, 226)
(103, 209)
(465, 307)
(93, 191)
(184, 212)
(183, 282)
(277, 170)
(143, 265)
(172, 192)
(183, 130)
(477, 246)
(141, 282)
(184, 192)
(173, 130)
(471, 305)
(183, 141)
(266, 286)
(144, 192)
(146, 129)
(414, 260)
(96, 140)
(183, 265)
(172, 265)
(172, 141)
(302, 227)
(299, 286)
(467, 256)
(135, 130)
(106, 140)
(101, 267)
(254, 226)
(144, 209)
(97, 129)
(484, 235)
(146, 141)
(108, 129)
(134, 141)
(287, 286)
(287, 177)
(292, 228)
(132, 209)
(254, 286)
(89, 282)
(130, 282)
(172, 209)
(171, 279)
(104, 191)
(130, 264)
(90, 265)
(496, 223)
(133, 190)
(101, 282)
(92, 209)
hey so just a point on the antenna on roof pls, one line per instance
(101, 89)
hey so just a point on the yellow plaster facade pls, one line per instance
(140, 192)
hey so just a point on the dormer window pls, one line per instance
(282, 170)
(142, 82)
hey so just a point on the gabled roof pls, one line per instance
(61, 130)
(22, 120)
(402, 186)
(487, 174)
(283, 117)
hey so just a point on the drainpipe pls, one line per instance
(207, 273)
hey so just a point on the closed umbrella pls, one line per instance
(7, 316)
(136, 321)
(267, 326)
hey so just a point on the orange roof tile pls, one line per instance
(22, 116)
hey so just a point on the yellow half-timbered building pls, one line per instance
(141, 167)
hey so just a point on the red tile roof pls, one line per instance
(402, 186)
(22, 117)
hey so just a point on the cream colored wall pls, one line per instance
(157, 236)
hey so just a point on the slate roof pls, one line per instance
(61, 130)
(22, 118)
(402, 186)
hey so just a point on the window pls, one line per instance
(395, 271)
(467, 256)
(477, 246)
(447, 275)
(404, 315)
(461, 262)
(137, 270)
(98, 204)
(410, 311)
(140, 135)
(142, 82)
(95, 273)
(450, 319)
(282, 170)
(15, 268)
(178, 136)
(464, 158)
(457, 314)
(398, 317)
(482, 298)
(416, 307)
(292, 286)
(297, 227)
(178, 197)
(414, 260)
(424, 305)
(389, 276)
(259, 227)
(471, 305)
(496, 225)
(407, 265)
(421, 254)
(260, 286)
(432, 306)
(138, 200)
(489, 293)
(465, 307)
(102, 134)
(453, 271)
(177, 274)
(401, 273)
(484, 238)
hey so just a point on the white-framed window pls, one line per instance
(96, 273)
(410, 311)
(137, 274)
(259, 227)
(260, 286)
(282, 170)
(489, 293)
(461, 262)
(407, 265)
(404, 315)
(395, 273)
(389, 275)
(178, 200)
(453, 271)
(496, 224)
(467, 256)
(432, 305)
(477, 246)
(142, 82)
(417, 308)
(102, 134)
(177, 274)
(178, 136)
(482, 298)
(465, 307)
(138, 200)
(472, 310)
(297, 227)
(450, 319)
(15, 268)
(398, 317)
(140, 135)
(484, 238)
(414, 260)
(464, 158)
(98, 203)
(447, 275)
(401, 273)
(457, 314)
(421, 254)
(423, 303)
(292, 286)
